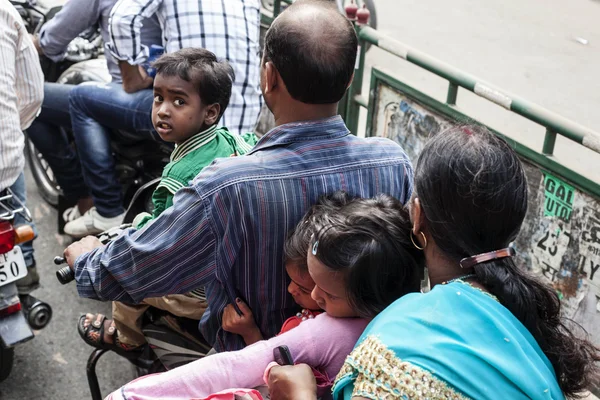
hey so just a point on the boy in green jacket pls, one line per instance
(191, 91)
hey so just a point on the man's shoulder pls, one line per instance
(300, 159)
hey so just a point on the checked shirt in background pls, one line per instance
(228, 28)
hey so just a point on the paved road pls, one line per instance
(528, 48)
(52, 366)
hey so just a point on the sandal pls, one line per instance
(93, 334)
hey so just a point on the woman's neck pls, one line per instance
(442, 269)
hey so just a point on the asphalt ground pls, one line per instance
(52, 366)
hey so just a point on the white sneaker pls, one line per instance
(91, 223)
(71, 214)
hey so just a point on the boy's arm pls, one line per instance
(161, 200)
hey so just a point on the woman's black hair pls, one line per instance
(368, 241)
(473, 192)
(295, 247)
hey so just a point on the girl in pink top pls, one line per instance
(364, 261)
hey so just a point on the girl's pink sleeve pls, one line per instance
(323, 342)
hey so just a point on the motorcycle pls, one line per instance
(137, 161)
(19, 314)
(171, 341)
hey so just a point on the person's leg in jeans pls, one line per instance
(31, 281)
(48, 135)
(95, 110)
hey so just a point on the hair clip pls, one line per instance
(470, 262)
(315, 247)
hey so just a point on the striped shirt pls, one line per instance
(227, 230)
(21, 91)
(228, 28)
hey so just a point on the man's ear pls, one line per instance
(351, 80)
(212, 114)
(271, 77)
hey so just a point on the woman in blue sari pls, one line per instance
(486, 330)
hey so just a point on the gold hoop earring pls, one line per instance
(417, 246)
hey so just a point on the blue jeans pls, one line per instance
(18, 189)
(95, 110)
(48, 135)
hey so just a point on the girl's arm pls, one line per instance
(323, 342)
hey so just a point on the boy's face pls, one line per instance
(178, 112)
(301, 286)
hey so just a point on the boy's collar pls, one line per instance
(194, 142)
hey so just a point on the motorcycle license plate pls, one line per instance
(12, 266)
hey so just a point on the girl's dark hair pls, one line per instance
(212, 77)
(295, 247)
(473, 191)
(368, 241)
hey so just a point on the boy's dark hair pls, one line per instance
(369, 242)
(473, 191)
(296, 246)
(212, 77)
(316, 62)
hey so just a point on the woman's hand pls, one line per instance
(242, 325)
(292, 382)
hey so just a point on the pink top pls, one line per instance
(322, 342)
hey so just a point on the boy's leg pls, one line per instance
(128, 318)
(180, 305)
(128, 321)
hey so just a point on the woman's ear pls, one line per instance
(212, 114)
(416, 216)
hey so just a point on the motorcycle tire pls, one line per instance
(42, 174)
(6, 362)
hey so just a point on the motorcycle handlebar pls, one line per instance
(65, 275)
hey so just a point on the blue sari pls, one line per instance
(455, 342)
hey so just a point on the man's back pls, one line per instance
(255, 200)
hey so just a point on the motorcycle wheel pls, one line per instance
(6, 362)
(42, 174)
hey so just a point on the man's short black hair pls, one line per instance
(212, 77)
(315, 55)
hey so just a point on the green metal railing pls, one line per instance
(554, 124)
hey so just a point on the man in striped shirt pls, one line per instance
(226, 232)
(21, 94)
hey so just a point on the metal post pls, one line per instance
(452, 94)
(352, 107)
(276, 8)
(91, 373)
(549, 142)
